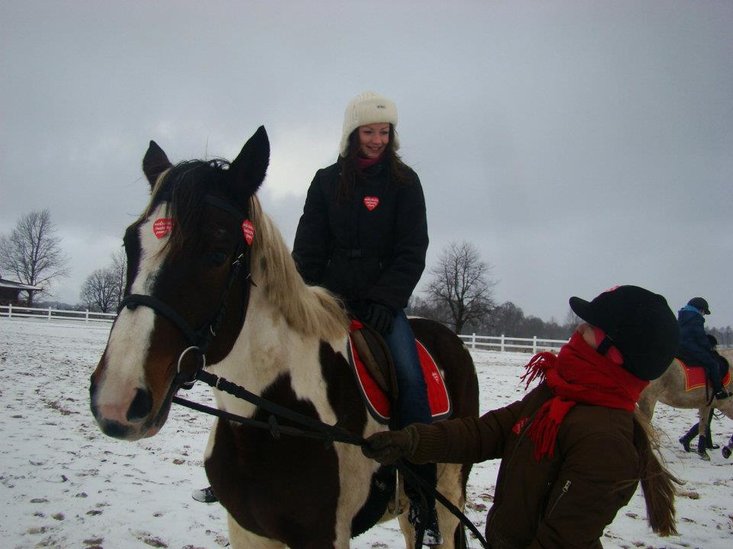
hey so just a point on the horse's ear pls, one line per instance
(248, 170)
(155, 162)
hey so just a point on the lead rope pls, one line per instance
(318, 430)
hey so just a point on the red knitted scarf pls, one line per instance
(364, 163)
(578, 374)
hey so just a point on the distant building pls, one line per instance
(10, 292)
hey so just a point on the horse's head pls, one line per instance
(187, 286)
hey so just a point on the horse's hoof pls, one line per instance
(685, 443)
(726, 452)
(704, 456)
(713, 446)
(204, 495)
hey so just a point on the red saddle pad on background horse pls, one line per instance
(376, 399)
(695, 376)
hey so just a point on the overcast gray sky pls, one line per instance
(578, 145)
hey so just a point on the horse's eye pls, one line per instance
(216, 259)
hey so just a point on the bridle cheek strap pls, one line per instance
(133, 300)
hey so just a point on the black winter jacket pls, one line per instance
(369, 246)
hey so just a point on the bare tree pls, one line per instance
(460, 282)
(99, 291)
(506, 319)
(103, 289)
(119, 270)
(32, 253)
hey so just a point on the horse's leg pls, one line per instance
(647, 403)
(239, 538)
(702, 439)
(450, 484)
(711, 445)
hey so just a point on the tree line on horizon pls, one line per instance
(459, 288)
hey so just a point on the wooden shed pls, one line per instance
(10, 292)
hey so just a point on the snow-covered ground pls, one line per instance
(64, 484)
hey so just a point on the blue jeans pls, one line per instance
(412, 402)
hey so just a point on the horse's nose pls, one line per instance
(140, 406)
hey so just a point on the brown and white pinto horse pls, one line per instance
(210, 280)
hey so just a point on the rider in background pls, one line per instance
(686, 439)
(363, 235)
(573, 450)
(695, 347)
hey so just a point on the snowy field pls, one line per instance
(64, 484)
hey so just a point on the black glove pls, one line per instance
(389, 446)
(379, 317)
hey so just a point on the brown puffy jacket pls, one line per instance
(564, 501)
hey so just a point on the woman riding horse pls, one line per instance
(364, 235)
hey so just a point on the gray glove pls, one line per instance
(389, 446)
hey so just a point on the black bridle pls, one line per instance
(200, 339)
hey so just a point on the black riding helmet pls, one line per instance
(700, 304)
(639, 324)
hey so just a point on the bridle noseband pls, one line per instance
(199, 340)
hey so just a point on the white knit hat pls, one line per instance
(368, 108)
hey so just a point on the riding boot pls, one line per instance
(426, 527)
(422, 513)
(701, 448)
(688, 436)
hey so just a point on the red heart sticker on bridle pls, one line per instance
(162, 227)
(248, 230)
(371, 202)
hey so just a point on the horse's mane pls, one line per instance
(310, 310)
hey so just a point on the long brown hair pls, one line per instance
(399, 172)
(657, 482)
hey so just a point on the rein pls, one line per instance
(315, 429)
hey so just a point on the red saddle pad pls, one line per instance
(695, 376)
(376, 399)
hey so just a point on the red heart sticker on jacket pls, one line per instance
(162, 227)
(371, 202)
(248, 230)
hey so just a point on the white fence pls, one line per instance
(15, 311)
(472, 341)
(505, 344)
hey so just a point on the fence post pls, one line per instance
(10, 310)
(86, 316)
(49, 313)
(473, 340)
(534, 345)
(501, 343)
